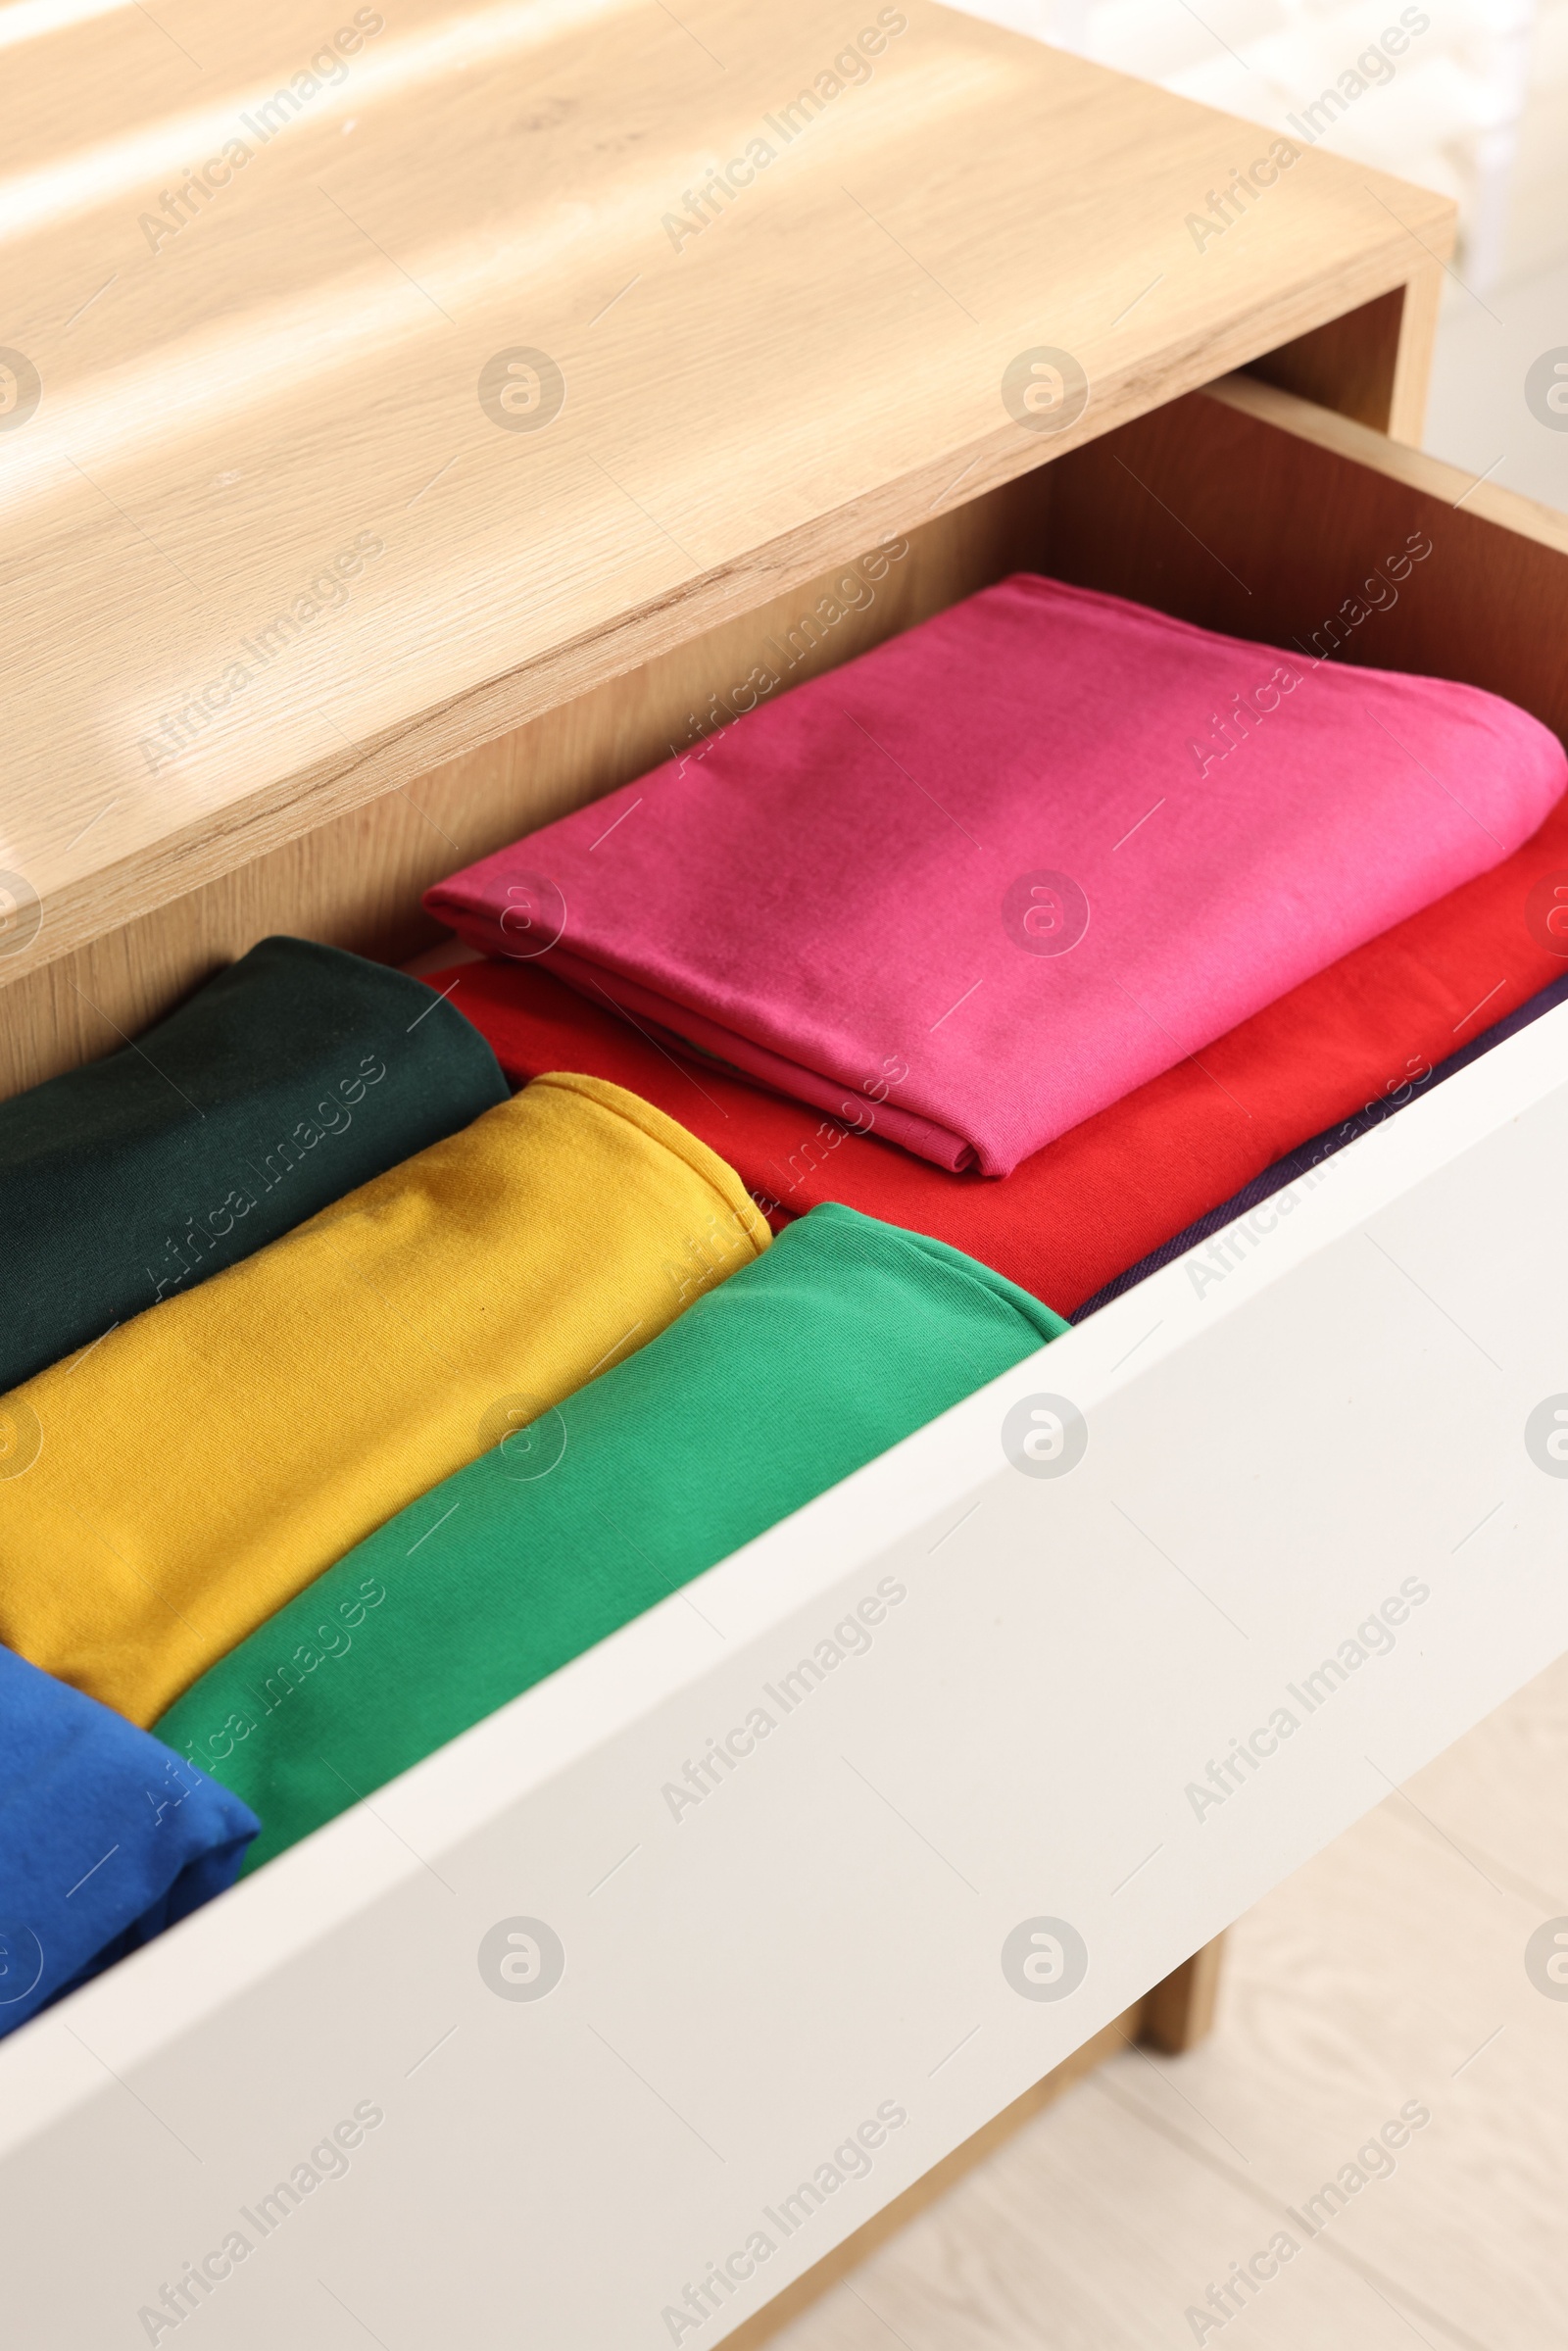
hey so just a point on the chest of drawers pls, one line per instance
(485, 434)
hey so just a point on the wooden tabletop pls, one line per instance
(461, 384)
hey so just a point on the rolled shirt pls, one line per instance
(293, 1077)
(1072, 1217)
(105, 1837)
(1015, 862)
(172, 1488)
(847, 1335)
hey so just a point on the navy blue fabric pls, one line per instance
(107, 1837)
(1322, 1146)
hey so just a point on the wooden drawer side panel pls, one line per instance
(355, 881)
(1249, 511)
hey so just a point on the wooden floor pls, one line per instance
(1390, 1969)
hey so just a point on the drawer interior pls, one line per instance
(1248, 511)
(1243, 508)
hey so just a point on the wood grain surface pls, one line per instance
(1373, 364)
(1244, 508)
(355, 880)
(267, 553)
(1248, 511)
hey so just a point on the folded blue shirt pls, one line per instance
(107, 1837)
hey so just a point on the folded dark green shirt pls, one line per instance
(293, 1077)
(847, 1336)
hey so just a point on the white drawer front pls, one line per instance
(750, 1976)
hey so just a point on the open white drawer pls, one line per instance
(1306, 1493)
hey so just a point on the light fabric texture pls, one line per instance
(105, 1837)
(189, 1474)
(1075, 1215)
(1009, 865)
(847, 1337)
(294, 1076)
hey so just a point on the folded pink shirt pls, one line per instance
(986, 879)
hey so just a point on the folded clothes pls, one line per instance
(1080, 1212)
(168, 1491)
(295, 1075)
(847, 1335)
(106, 1838)
(1008, 867)
(1303, 1163)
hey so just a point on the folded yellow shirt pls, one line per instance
(164, 1493)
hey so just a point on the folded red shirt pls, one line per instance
(1072, 1216)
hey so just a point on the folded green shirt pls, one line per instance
(847, 1336)
(290, 1079)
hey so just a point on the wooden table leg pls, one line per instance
(1180, 2011)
